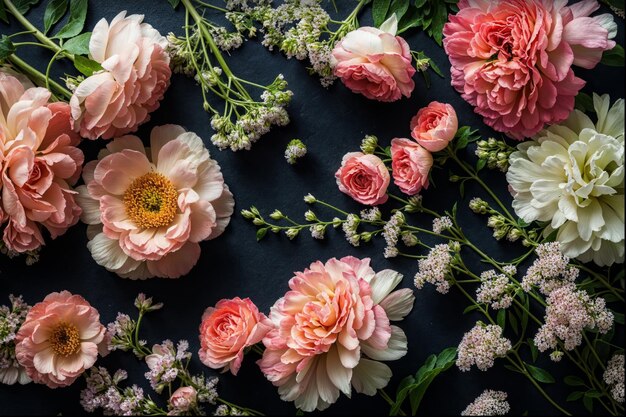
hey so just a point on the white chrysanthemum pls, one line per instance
(572, 175)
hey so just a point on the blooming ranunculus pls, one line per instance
(182, 400)
(375, 62)
(227, 329)
(39, 162)
(410, 165)
(59, 339)
(363, 177)
(434, 126)
(512, 59)
(572, 176)
(332, 330)
(149, 208)
(115, 101)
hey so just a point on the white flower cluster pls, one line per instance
(495, 289)
(614, 377)
(442, 223)
(225, 40)
(551, 269)
(350, 227)
(489, 403)
(481, 346)
(391, 233)
(295, 150)
(569, 313)
(436, 268)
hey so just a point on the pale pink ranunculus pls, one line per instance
(332, 330)
(183, 399)
(227, 329)
(363, 177)
(135, 75)
(59, 339)
(39, 164)
(375, 63)
(149, 208)
(512, 59)
(410, 165)
(434, 126)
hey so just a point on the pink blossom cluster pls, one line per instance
(489, 403)
(614, 377)
(11, 318)
(102, 392)
(436, 269)
(164, 363)
(551, 269)
(568, 314)
(481, 346)
(495, 289)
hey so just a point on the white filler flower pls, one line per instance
(572, 176)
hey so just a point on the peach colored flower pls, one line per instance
(363, 177)
(183, 399)
(375, 63)
(512, 59)
(227, 330)
(59, 339)
(434, 126)
(39, 162)
(135, 75)
(410, 165)
(149, 208)
(331, 331)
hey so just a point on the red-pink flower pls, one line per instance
(410, 165)
(332, 329)
(116, 101)
(227, 330)
(375, 63)
(363, 177)
(511, 59)
(39, 162)
(59, 339)
(434, 126)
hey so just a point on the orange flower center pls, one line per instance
(151, 201)
(65, 339)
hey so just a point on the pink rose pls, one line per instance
(434, 126)
(410, 165)
(59, 339)
(116, 101)
(182, 400)
(227, 330)
(375, 63)
(365, 178)
(512, 59)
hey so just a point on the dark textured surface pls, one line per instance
(331, 122)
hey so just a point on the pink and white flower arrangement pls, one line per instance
(434, 126)
(149, 208)
(512, 60)
(59, 339)
(364, 177)
(332, 329)
(135, 75)
(39, 161)
(227, 330)
(375, 62)
(411, 165)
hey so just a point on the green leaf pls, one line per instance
(540, 375)
(447, 356)
(174, 3)
(588, 403)
(575, 396)
(614, 57)
(618, 4)
(3, 13)
(6, 47)
(480, 164)
(85, 65)
(55, 10)
(593, 394)
(619, 318)
(23, 6)
(399, 7)
(584, 102)
(511, 368)
(533, 349)
(78, 45)
(379, 11)
(573, 381)
(76, 22)
(501, 318)
(470, 308)
(260, 234)
(513, 322)
(410, 19)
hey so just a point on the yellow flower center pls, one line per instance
(65, 339)
(151, 201)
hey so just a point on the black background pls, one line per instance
(331, 122)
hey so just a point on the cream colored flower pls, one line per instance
(572, 176)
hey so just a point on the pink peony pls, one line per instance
(331, 331)
(149, 208)
(227, 330)
(116, 101)
(365, 178)
(39, 162)
(410, 164)
(434, 126)
(375, 63)
(511, 59)
(59, 339)
(182, 400)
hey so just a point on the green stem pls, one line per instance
(38, 77)
(391, 402)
